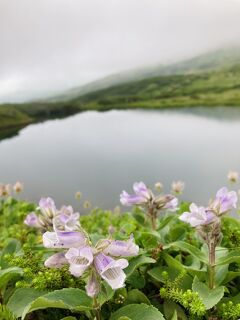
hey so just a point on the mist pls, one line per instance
(48, 47)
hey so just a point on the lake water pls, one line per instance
(101, 154)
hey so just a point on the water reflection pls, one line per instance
(102, 153)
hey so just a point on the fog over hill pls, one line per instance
(48, 47)
(214, 60)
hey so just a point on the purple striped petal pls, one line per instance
(111, 270)
(64, 239)
(118, 248)
(79, 260)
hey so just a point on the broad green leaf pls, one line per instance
(136, 263)
(9, 274)
(124, 318)
(21, 298)
(138, 311)
(210, 297)
(172, 309)
(137, 296)
(175, 316)
(184, 246)
(233, 256)
(230, 276)
(69, 318)
(156, 273)
(173, 273)
(69, 298)
(149, 240)
(106, 293)
(171, 262)
(137, 280)
(176, 233)
(165, 221)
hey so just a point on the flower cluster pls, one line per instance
(222, 204)
(105, 260)
(145, 198)
(63, 219)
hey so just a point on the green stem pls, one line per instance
(211, 266)
(97, 308)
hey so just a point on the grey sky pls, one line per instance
(47, 46)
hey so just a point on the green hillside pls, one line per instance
(209, 80)
(215, 88)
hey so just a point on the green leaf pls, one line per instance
(172, 309)
(69, 318)
(26, 300)
(233, 256)
(69, 298)
(174, 317)
(184, 246)
(137, 280)
(137, 296)
(210, 297)
(176, 233)
(124, 318)
(136, 263)
(138, 311)
(106, 293)
(21, 298)
(9, 274)
(165, 221)
(173, 273)
(149, 240)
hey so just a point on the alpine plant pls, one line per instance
(106, 260)
(207, 222)
(145, 198)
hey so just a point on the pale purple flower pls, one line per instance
(32, 220)
(142, 195)
(56, 261)
(79, 260)
(225, 200)
(66, 220)
(111, 270)
(119, 248)
(47, 207)
(93, 285)
(198, 216)
(171, 205)
(65, 239)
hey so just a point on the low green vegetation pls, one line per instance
(169, 274)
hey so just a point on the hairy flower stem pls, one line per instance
(97, 308)
(152, 216)
(211, 265)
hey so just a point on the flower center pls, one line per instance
(112, 273)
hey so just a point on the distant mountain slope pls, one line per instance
(210, 88)
(209, 80)
(222, 58)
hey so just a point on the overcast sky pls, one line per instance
(48, 46)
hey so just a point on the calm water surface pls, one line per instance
(102, 153)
